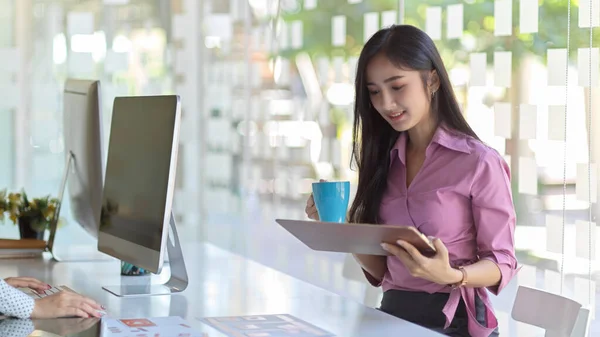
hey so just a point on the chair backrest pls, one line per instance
(554, 313)
(353, 271)
(582, 325)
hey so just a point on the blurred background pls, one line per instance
(267, 93)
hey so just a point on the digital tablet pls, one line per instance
(355, 238)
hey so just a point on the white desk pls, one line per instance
(221, 284)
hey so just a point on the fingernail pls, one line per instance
(384, 246)
(400, 242)
(103, 307)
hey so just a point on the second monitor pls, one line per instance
(83, 175)
(138, 193)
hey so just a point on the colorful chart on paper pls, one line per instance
(148, 327)
(265, 326)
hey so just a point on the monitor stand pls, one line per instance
(74, 253)
(178, 281)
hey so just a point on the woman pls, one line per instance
(420, 164)
(15, 303)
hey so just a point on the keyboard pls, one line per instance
(51, 291)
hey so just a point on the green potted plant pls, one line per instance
(33, 216)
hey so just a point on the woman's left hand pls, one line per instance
(436, 269)
(27, 282)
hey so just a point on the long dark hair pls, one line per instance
(408, 48)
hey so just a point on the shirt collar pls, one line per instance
(449, 139)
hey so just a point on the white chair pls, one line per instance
(557, 315)
(582, 325)
(353, 271)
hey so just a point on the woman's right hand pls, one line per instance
(65, 304)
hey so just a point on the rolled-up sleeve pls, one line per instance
(494, 215)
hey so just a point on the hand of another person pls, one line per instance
(65, 304)
(28, 282)
(436, 269)
(311, 208)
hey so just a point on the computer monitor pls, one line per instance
(84, 169)
(138, 190)
(83, 139)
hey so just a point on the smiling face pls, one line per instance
(399, 95)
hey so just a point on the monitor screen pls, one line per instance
(139, 180)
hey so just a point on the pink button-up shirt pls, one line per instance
(461, 195)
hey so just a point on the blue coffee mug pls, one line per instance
(331, 199)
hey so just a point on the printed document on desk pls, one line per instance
(265, 326)
(148, 327)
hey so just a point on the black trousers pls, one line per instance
(426, 310)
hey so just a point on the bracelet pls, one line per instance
(462, 282)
